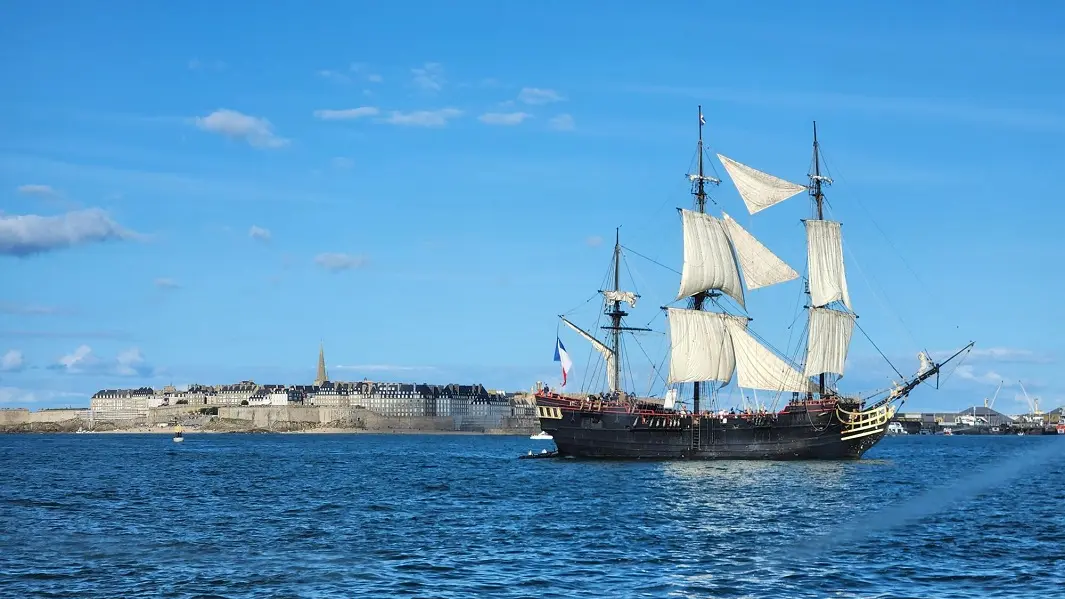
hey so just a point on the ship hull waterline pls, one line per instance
(668, 436)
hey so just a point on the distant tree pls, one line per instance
(244, 402)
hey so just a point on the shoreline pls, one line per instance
(310, 431)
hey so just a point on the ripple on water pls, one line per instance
(98, 516)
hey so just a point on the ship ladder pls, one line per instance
(863, 423)
(695, 432)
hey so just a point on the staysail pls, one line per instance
(760, 266)
(608, 354)
(759, 190)
(759, 368)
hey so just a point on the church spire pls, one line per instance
(322, 376)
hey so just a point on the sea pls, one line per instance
(363, 515)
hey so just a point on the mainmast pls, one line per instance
(616, 312)
(699, 191)
(815, 179)
(707, 345)
(819, 200)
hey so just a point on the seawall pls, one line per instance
(258, 418)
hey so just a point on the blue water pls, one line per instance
(458, 516)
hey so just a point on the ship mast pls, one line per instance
(699, 191)
(616, 312)
(819, 200)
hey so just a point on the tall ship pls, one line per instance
(711, 343)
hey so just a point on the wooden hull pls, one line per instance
(613, 431)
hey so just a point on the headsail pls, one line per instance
(700, 347)
(709, 264)
(760, 266)
(759, 190)
(608, 354)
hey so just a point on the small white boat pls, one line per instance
(178, 438)
(542, 436)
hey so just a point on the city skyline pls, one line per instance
(175, 212)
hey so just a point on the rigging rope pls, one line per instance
(654, 370)
(878, 349)
(651, 260)
(857, 200)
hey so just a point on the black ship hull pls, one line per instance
(798, 433)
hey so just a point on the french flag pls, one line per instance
(562, 356)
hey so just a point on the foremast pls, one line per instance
(613, 300)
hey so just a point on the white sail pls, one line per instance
(759, 368)
(709, 264)
(759, 190)
(700, 347)
(608, 354)
(621, 296)
(760, 266)
(829, 340)
(824, 250)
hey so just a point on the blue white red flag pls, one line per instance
(702, 121)
(562, 356)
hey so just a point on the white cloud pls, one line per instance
(363, 70)
(28, 309)
(334, 76)
(11, 361)
(969, 373)
(81, 358)
(424, 118)
(535, 95)
(258, 132)
(430, 77)
(257, 232)
(504, 118)
(14, 396)
(342, 163)
(23, 235)
(1007, 354)
(347, 113)
(165, 283)
(383, 367)
(337, 262)
(131, 363)
(212, 65)
(562, 122)
(594, 241)
(40, 191)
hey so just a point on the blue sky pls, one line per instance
(203, 193)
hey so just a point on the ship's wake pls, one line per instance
(858, 528)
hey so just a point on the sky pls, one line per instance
(204, 193)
